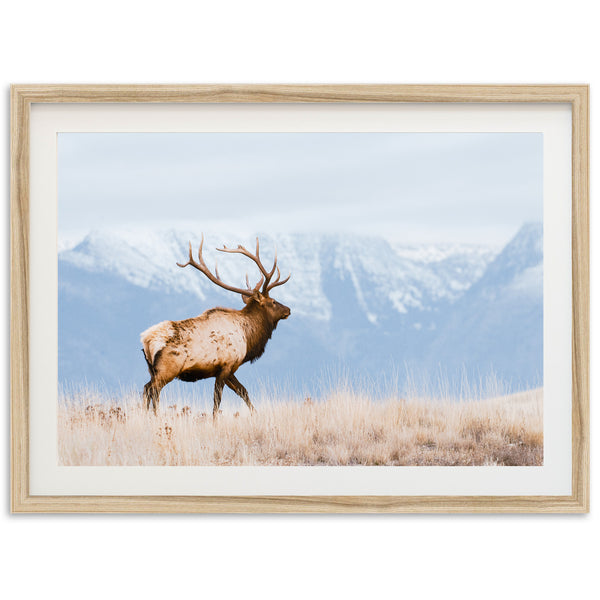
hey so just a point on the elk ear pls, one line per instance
(254, 296)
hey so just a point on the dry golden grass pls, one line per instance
(343, 429)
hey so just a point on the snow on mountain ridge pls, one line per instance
(408, 277)
(359, 302)
(524, 251)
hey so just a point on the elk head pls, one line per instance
(256, 297)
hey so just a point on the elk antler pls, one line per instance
(267, 275)
(216, 279)
(277, 282)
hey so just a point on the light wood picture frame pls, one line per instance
(22, 99)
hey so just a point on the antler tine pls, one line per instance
(277, 282)
(216, 278)
(269, 275)
(254, 257)
(268, 285)
(274, 263)
(200, 248)
(257, 286)
(190, 260)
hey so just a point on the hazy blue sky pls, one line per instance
(411, 186)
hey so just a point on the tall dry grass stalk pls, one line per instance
(345, 428)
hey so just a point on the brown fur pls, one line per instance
(258, 319)
(259, 329)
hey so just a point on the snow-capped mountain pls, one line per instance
(408, 277)
(362, 303)
(502, 310)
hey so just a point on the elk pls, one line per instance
(218, 341)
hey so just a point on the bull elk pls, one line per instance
(218, 341)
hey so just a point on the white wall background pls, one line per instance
(123, 41)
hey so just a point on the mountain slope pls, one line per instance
(498, 323)
(359, 303)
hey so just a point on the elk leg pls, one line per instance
(219, 383)
(233, 383)
(166, 367)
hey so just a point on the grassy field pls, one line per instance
(342, 429)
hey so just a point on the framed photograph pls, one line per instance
(299, 298)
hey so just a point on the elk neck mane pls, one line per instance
(259, 329)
